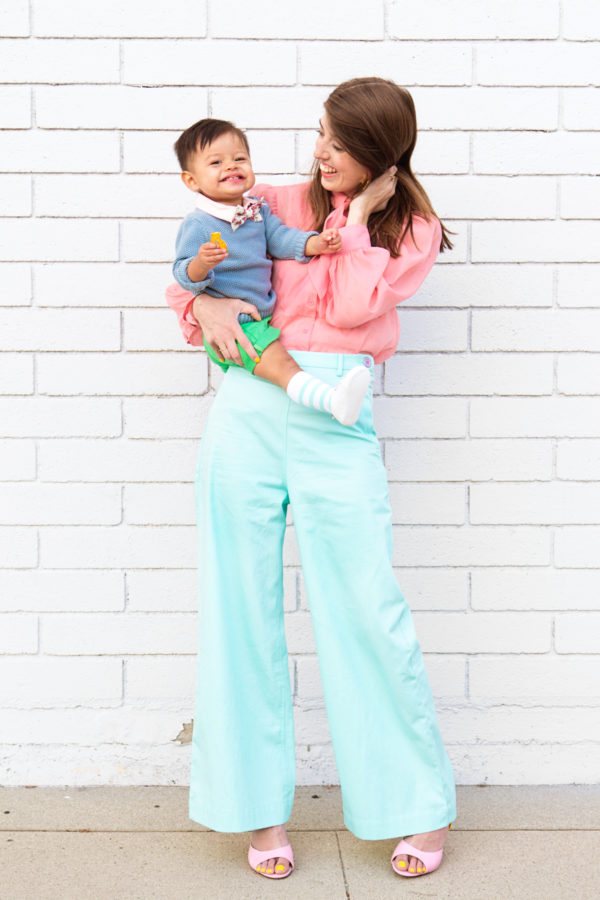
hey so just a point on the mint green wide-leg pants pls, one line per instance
(259, 453)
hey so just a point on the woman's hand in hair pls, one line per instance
(218, 319)
(375, 197)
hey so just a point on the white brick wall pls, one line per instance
(488, 414)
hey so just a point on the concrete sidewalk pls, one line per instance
(137, 843)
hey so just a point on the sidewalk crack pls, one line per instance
(342, 865)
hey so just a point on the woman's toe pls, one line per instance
(281, 866)
(400, 863)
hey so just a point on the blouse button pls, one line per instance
(367, 362)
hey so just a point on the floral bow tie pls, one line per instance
(243, 213)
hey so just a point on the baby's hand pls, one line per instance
(329, 241)
(210, 255)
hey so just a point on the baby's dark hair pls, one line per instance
(200, 135)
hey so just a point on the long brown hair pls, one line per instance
(374, 121)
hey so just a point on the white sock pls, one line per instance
(344, 401)
(348, 396)
(309, 391)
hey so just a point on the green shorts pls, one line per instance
(260, 334)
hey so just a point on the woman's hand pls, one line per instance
(218, 319)
(375, 197)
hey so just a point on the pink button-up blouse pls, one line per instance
(342, 303)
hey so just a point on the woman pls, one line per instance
(258, 455)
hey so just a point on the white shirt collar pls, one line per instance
(219, 210)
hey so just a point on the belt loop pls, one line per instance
(340, 364)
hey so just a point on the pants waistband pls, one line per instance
(339, 361)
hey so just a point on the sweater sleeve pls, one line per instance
(363, 282)
(284, 242)
(191, 235)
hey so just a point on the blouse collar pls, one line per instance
(339, 199)
(218, 210)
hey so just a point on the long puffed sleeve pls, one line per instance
(180, 302)
(362, 282)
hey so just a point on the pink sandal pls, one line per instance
(431, 859)
(256, 858)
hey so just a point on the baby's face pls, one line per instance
(221, 171)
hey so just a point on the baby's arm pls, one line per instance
(284, 242)
(209, 255)
(195, 257)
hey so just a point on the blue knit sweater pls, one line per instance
(246, 271)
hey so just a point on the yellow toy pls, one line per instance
(216, 238)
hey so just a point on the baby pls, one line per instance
(222, 249)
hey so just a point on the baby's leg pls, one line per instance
(343, 401)
(276, 365)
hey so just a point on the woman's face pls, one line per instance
(339, 171)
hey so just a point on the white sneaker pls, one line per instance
(348, 396)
